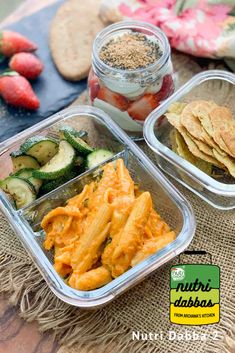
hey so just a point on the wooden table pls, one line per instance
(18, 336)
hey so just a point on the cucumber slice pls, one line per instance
(21, 161)
(97, 157)
(40, 147)
(78, 143)
(27, 174)
(53, 184)
(24, 173)
(61, 163)
(77, 133)
(21, 190)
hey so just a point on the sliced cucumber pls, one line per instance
(53, 184)
(24, 173)
(61, 163)
(40, 147)
(27, 174)
(77, 133)
(21, 190)
(78, 143)
(21, 161)
(97, 157)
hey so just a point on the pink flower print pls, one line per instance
(195, 30)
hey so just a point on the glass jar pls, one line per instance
(130, 95)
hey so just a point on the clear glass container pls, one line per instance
(213, 85)
(127, 95)
(172, 206)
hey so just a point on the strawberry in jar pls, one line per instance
(131, 73)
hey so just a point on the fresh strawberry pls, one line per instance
(94, 87)
(141, 108)
(167, 88)
(113, 98)
(17, 91)
(13, 42)
(27, 65)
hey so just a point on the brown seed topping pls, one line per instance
(130, 51)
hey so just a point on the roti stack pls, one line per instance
(205, 134)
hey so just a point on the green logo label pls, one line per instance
(195, 294)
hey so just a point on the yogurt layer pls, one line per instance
(126, 88)
(121, 118)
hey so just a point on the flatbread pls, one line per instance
(72, 33)
(179, 149)
(183, 151)
(202, 146)
(204, 116)
(202, 110)
(190, 120)
(227, 161)
(176, 107)
(229, 140)
(223, 129)
(175, 120)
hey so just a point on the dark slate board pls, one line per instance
(53, 91)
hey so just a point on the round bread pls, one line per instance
(72, 33)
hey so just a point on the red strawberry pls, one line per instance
(12, 42)
(26, 64)
(17, 91)
(113, 98)
(93, 83)
(140, 109)
(167, 88)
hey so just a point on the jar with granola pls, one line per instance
(131, 73)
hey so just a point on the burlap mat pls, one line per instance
(145, 308)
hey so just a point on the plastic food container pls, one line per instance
(220, 193)
(129, 95)
(167, 200)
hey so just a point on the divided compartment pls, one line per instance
(171, 205)
(213, 85)
(99, 136)
(34, 213)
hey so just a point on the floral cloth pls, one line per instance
(203, 28)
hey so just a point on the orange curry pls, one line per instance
(105, 230)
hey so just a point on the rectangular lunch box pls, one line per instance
(102, 132)
(212, 85)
